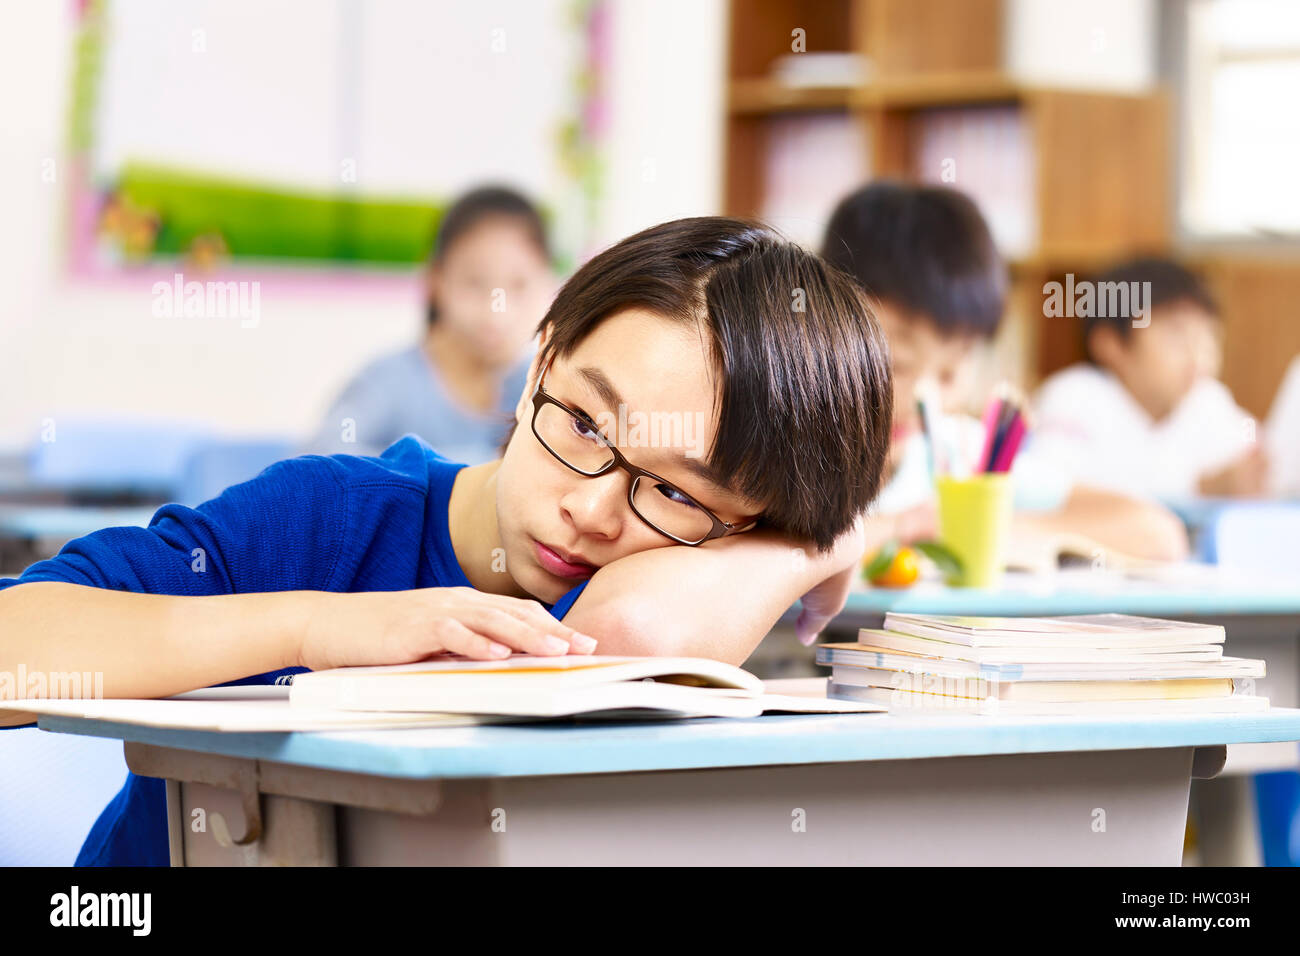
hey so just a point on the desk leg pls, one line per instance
(175, 824)
(292, 829)
(1227, 825)
(295, 832)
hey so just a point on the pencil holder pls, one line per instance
(974, 523)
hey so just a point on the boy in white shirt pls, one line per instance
(938, 288)
(1146, 414)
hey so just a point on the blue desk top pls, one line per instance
(1206, 594)
(574, 748)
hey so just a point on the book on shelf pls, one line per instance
(987, 152)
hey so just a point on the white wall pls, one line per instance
(1093, 44)
(96, 350)
(667, 98)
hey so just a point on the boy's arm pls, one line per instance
(145, 645)
(1141, 529)
(718, 600)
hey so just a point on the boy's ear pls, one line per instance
(1105, 345)
(523, 406)
(432, 282)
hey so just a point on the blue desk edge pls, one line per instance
(567, 749)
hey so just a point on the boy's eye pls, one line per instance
(584, 427)
(675, 496)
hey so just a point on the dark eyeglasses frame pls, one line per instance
(720, 528)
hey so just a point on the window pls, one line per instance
(1241, 121)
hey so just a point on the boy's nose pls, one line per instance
(596, 506)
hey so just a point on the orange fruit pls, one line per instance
(902, 571)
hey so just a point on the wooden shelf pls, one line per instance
(940, 89)
(760, 96)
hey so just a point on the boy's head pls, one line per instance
(734, 365)
(488, 278)
(1159, 363)
(926, 257)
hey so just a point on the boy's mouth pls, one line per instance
(561, 563)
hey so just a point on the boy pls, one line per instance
(938, 288)
(1145, 413)
(773, 379)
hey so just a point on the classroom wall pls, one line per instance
(82, 349)
(1101, 44)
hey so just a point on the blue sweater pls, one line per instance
(342, 523)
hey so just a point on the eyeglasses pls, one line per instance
(575, 441)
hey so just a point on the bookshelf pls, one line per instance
(1069, 179)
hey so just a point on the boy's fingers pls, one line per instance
(506, 628)
(539, 617)
(455, 636)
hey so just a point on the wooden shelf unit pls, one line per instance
(1101, 161)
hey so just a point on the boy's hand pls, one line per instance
(918, 523)
(1247, 477)
(827, 599)
(399, 627)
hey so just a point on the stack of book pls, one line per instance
(1043, 665)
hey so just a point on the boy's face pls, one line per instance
(920, 353)
(660, 370)
(492, 288)
(1160, 363)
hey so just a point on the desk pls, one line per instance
(1261, 618)
(862, 789)
(1208, 593)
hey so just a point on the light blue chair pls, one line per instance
(113, 457)
(213, 466)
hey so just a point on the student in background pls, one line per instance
(487, 284)
(926, 257)
(1283, 435)
(1146, 413)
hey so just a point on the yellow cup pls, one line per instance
(974, 523)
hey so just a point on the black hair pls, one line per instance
(805, 397)
(1170, 283)
(472, 208)
(925, 249)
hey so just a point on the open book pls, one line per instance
(554, 687)
(453, 692)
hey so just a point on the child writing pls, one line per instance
(487, 284)
(1146, 412)
(938, 288)
(777, 378)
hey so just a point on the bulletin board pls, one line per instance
(325, 133)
